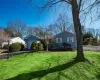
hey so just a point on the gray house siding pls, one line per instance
(30, 39)
(64, 36)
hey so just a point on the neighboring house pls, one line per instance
(65, 37)
(13, 40)
(29, 39)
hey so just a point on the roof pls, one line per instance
(29, 36)
(42, 37)
(65, 32)
(13, 37)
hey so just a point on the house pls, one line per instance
(29, 39)
(65, 38)
(59, 39)
(32, 38)
(13, 40)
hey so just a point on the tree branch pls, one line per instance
(68, 1)
(79, 7)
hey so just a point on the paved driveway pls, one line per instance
(5, 55)
(92, 48)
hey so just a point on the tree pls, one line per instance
(17, 27)
(62, 23)
(44, 33)
(3, 36)
(9, 31)
(29, 30)
(47, 34)
(77, 7)
(38, 31)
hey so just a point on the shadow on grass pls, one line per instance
(98, 76)
(41, 73)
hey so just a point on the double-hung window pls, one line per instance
(58, 40)
(70, 39)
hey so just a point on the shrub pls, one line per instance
(66, 45)
(22, 46)
(14, 47)
(87, 35)
(44, 44)
(87, 41)
(87, 38)
(40, 46)
(5, 46)
(94, 42)
(98, 42)
(34, 47)
(52, 45)
(91, 41)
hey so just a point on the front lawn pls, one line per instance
(50, 66)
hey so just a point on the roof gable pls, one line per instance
(65, 32)
(31, 36)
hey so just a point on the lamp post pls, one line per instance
(47, 42)
(8, 50)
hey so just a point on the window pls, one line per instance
(58, 40)
(70, 39)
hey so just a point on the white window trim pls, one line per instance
(58, 41)
(70, 39)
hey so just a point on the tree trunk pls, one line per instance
(78, 31)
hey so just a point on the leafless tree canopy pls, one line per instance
(3, 36)
(63, 23)
(17, 27)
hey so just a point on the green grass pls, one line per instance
(50, 66)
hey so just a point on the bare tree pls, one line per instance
(9, 31)
(53, 29)
(77, 7)
(17, 27)
(29, 31)
(3, 36)
(44, 33)
(47, 33)
(62, 22)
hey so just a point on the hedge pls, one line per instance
(36, 47)
(14, 47)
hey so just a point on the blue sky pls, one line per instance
(21, 10)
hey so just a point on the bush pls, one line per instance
(91, 41)
(66, 45)
(52, 45)
(22, 46)
(87, 41)
(87, 38)
(87, 35)
(98, 42)
(36, 47)
(94, 42)
(5, 46)
(14, 47)
(40, 46)
(44, 44)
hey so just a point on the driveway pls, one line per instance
(91, 48)
(6, 55)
